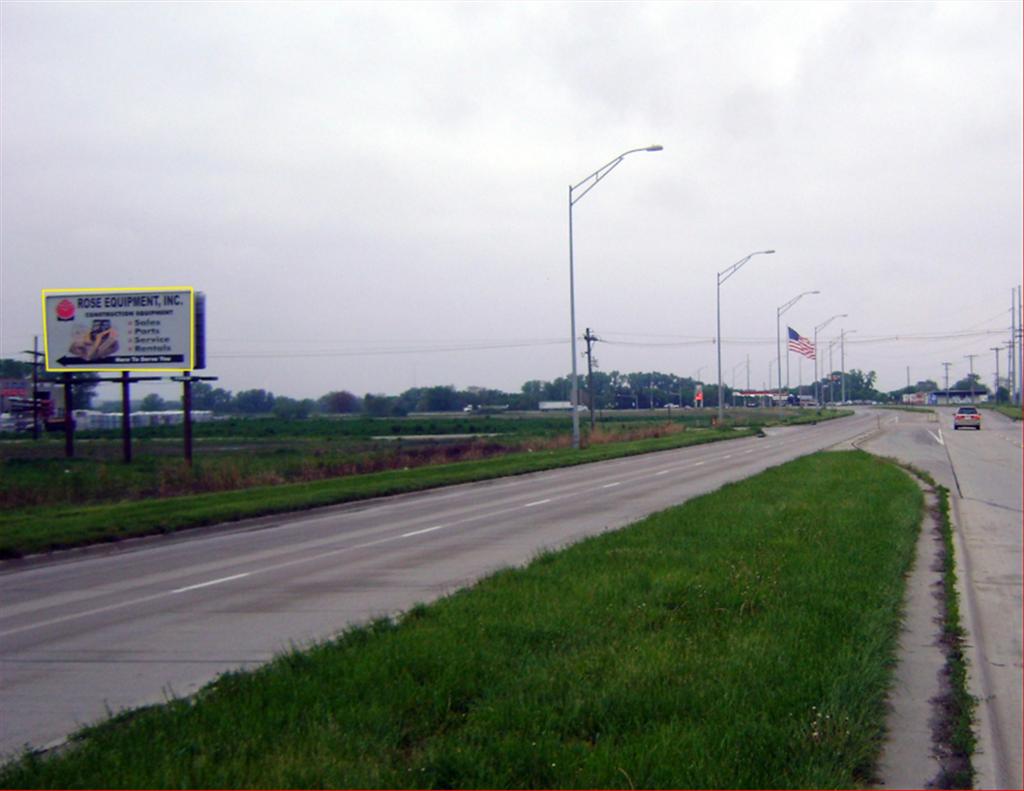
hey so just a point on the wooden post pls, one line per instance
(187, 380)
(69, 428)
(126, 417)
(186, 404)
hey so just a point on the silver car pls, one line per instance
(967, 416)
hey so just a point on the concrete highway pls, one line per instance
(982, 470)
(86, 634)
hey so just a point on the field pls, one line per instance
(742, 640)
(247, 468)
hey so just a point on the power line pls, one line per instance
(468, 346)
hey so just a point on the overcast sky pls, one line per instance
(374, 196)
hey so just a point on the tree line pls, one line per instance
(603, 390)
(608, 390)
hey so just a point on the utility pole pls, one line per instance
(1012, 374)
(908, 377)
(591, 339)
(946, 366)
(996, 349)
(1019, 361)
(36, 362)
(971, 358)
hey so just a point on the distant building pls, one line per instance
(916, 399)
(558, 406)
(16, 403)
(951, 396)
(92, 420)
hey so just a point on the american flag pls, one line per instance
(799, 344)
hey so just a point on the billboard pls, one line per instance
(119, 329)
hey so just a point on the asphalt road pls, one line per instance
(87, 634)
(982, 470)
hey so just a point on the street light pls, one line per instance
(778, 338)
(591, 182)
(842, 363)
(831, 368)
(817, 384)
(724, 275)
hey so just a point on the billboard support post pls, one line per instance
(69, 428)
(126, 408)
(126, 418)
(186, 405)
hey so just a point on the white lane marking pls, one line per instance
(747, 452)
(662, 472)
(297, 561)
(727, 457)
(937, 437)
(424, 530)
(612, 485)
(211, 582)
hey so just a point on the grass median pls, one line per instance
(742, 640)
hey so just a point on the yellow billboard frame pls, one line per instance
(100, 291)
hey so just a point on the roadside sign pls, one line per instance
(119, 329)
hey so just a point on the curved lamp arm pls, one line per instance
(603, 171)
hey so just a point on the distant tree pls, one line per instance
(971, 382)
(152, 403)
(208, 398)
(15, 369)
(220, 400)
(292, 409)
(254, 402)
(860, 386)
(202, 395)
(439, 399)
(339, 402)
(382, 406)
(531, 394)
(83, 389)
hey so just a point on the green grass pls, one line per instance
(1011, 411)
(742, 640)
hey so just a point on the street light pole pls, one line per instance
(842, 364)
(817, 383)
(831, 369)
(724, 275)
(590, 182)
(778, 338)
